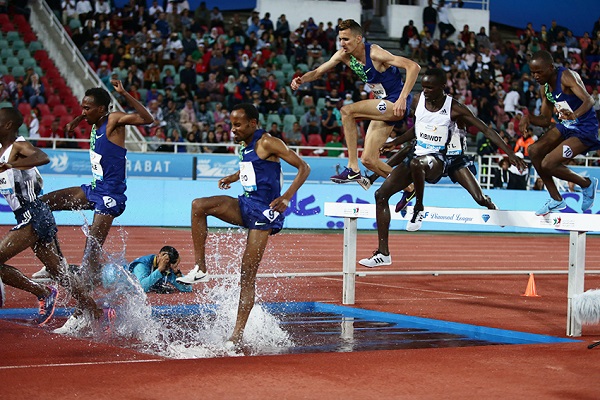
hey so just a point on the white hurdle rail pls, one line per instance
(576, 224)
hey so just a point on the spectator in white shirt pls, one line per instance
(511, 101)
(84, 9)
(154, 9)
(68, 7)
(102, 7)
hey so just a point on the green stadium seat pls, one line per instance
(35, 46)
(271, 118)
(18, 71)
(4, 44)
(12, 62)
(11, 36)
(18, 45)
(6, 53)
(23, 54)
(29, 62)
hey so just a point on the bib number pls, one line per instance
(378, 90)
(247, 176)
(97, 171)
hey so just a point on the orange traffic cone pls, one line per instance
(530, 291)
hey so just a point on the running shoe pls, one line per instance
(47, 305)
(347, 175)
(551, 206)
(41, 275)
(406, 198)
(194, 276)
(588, 194)
(75, 325)
(2, 298)
(376, 260)
(364, 182)
(416, 221)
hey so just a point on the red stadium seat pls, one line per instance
(44, 109)
(53, 100)
(60, 110)
(24, 108)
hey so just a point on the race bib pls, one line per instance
(378, 90)
(455, 146)
(97, 172)
(430, 138)
(270, 214)
(7, 182)
(247, 176)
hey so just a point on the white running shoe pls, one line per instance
(416, 221)
(365, 182)
(194, 276)
(376, 260)
(2, 298)
(75, 326)
(41, 275)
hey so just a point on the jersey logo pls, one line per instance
(558, 95)
(443, 112)
(260, 223)
(248, 151)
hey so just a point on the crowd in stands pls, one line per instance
(190, 66)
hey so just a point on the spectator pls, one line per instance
(282, 27)
(523, 143)
(187, 116)
(329, 124)
(333, 143)
(276, 132)
(367, 14)
(216, 18)
(56, 133)
(294, 137)
(34, 91)
(34, 126)
(511, 100)
(310, 122)
(444, 19)
(408, 32)
(177, 140)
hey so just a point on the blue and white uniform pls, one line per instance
(585, 128)
(21, 189)
(456, 158)
(106, 193)
(385, 85)
(262, 181)
(433, 131)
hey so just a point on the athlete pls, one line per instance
(20, 184)
(260, 209)
(563, 93)
(435, 117)
(106, 193)
(381, 71)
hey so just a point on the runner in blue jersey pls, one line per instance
(564, 95)
(260, 209)
(379, 69)
(106, 193)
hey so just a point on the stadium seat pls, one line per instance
(3, 70)
(280, 77)
(8, 28)
(28, 62)
(271, 118)
(288, 122)
(23, 53)
(303, 67)
(18, 44)
(23, 130)
(60, 110)
(6, 53)
(18, 71)
(4, 44)
(53, 100)
(35, 46)
(282, 58)
(24, 108)
(44, 109)
(4, 104)
(4, 19)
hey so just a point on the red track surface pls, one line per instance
(35, 363)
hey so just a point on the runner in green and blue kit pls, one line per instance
(564, 95)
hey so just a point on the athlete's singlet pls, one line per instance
(432, 129)
(458, 141)
(108, 163)
(19, 186)
(385, 85)
(261, 179)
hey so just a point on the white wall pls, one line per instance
(398, 16)
(297, 11)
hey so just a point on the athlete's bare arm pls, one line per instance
(315, 74)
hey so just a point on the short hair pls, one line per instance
(543, 56)
(249, 109)
(100, 96)
(171, 252)
(351, 24)
(12, 114)
(437, 73)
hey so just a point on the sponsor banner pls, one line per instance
(167, 202)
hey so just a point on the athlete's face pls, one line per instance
(91, 111)
(432, 88)
(349, 41)
(541, 71)
(242, 127)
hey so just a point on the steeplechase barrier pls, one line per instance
(576, 224)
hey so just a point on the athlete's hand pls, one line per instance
(118, 85)
(400, 107)
(517, 162)
(280, 204)
(225, 183)
(389, 146)
(296, 82)
(5, 166)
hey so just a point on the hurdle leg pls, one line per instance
(349, 260)
(576, 278)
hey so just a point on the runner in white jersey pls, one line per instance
(435, 116)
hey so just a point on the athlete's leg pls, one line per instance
(255, 248)
(537, 151)
(225, 208)
(377, 134)
(12, 244)
(49, 254)
(375, 110)
(465, 178)
(72, 198)
(554, 161)
(96, 236)
(421, 168)
(399, 178)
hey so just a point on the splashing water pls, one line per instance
(183, 331)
